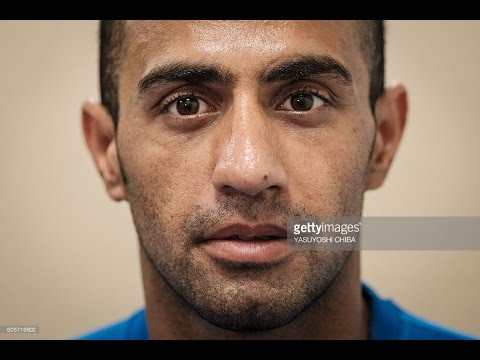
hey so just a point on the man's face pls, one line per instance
(226, 129)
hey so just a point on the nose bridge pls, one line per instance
(248, 143)
(248, 162)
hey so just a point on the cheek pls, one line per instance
(330, 174)
(169, 177)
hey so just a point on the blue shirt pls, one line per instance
(388, 322)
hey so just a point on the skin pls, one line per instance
(248, 158)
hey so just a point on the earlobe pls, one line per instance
(99, 134)
(390, 115)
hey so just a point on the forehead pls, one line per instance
(238, 43)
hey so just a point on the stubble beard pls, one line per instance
(241, 298)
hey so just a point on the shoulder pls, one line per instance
(133, 327)
(390, 321)
(415, 327)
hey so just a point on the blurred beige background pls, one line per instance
(68, 254)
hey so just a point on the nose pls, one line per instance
(249, 163)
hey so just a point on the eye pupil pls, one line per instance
(187, 106)
(301, 102)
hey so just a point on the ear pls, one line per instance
(391, 115)
(99, 133)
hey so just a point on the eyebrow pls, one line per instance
(185, 72)
(304, 66)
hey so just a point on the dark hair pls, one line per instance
(112, 39)
(373, 36)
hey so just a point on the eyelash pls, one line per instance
(306, 90)
(162, 106)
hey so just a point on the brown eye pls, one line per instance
(187, 105)
(302, 102)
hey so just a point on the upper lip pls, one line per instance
(248, 231)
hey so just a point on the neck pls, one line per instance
(339, 313)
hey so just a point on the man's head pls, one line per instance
(224, 130)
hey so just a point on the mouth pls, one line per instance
(242, 243)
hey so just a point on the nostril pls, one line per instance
(229, 190)
(232, 191)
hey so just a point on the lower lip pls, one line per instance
(248, 251)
